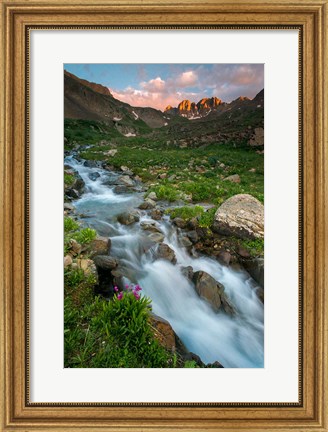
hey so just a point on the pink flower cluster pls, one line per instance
(135, 291)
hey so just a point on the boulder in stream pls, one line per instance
(105, 262)
(208, 288)
(128, 218)
(163, 251)
(148, 204)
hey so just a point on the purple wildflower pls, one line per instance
(120, 296)
(115, 289)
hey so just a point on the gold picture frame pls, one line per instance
(18, 18)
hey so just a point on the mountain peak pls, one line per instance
(94, 86)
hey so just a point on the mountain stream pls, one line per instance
(235, 341)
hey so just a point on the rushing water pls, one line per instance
(235, 341)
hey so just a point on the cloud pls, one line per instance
(226, 81)
(187, 79)
(154, 85)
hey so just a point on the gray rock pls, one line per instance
(150, 226)
(121, 189)
(187, 272)
(126, 181)
(105, 262)
(185, 242)
(152, 196)
(148, 204)
(128, 218)
(179, 222)
(90, 164)
(164, 251)
(156, 237)
(193, 236)
(255, 267)
(208, 288)
(156, 214)
(99, 246)
(240, 216)
(93, 176)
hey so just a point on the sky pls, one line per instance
(159, 85)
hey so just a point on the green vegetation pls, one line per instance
(186, 212)
(68, 179)
(72, 230)
(200, 172)
(255, 247)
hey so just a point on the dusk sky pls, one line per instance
(159, 85)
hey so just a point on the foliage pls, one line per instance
(166, 192)
(68, 179)
(190, 364)
(72, 230)
(207, 218)
(255, 246)
(114, 333)
(186, 212)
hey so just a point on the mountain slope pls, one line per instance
(90, 101)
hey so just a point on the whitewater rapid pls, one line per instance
(234, 341)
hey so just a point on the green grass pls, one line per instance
(68, 179)
(186, 212)
(255, 247)
(73, 230)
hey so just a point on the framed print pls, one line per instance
(185, 145)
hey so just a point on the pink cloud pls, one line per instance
(187, 79)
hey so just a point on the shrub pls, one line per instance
(70, 224)
(166, 192)
(186, 212)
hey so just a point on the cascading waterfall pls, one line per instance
(235, 341)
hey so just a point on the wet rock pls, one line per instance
(164, 251)
(121, 189)
(156, 214)
(99, 246)
(105, 262)
(148, 204)
(187, 272)
(179, 222)
(90, 164)
(216, 364)
(156, 237)
(225, 257)
(150, 226)
(255, 267)
(185, 242)
(208, 288)
(93, 176)
(192, 223)
(240, 216)
(125, 180)
(72, 193)
(128, 218)
(193, 236)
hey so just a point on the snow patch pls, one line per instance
(117, 118)
(135, 115)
